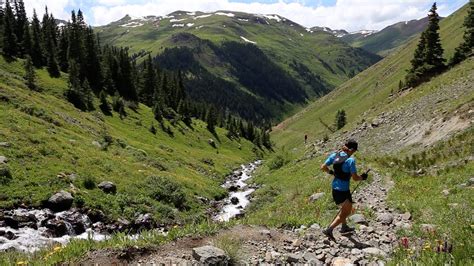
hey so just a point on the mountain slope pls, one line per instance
(52, 146)
(384, 41)
(367, 92)
(310, 63)
(419, 141)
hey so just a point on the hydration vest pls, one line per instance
(337, 165)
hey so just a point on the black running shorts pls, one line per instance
(341, 196)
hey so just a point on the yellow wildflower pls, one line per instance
(22, 263)
(58, 248)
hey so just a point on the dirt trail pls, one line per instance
(372, 243)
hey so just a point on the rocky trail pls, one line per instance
(371, 244)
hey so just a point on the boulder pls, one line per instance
(358, 219)
(470, 182)
(376, 122)
(374, 252)
(60, 201)
(385, 218)
(311, 258)
(406, 216)
(3, 159)
(77, 222)
(210, 255)
(315, 227)
(96, 216)
(266, 232)
(234, 200)
(108, 187)
(233, 188)
(420, 171)
(5, 144)
(428, 228)
(9, 221)
(57, 227)
(144, 221)
(316, 196)
(293, 258)
(212, 143)
(8, 235)
(340, 261)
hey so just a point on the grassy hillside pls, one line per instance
(421, 139)
(316, 62)
(364, 96)
(389, 38)
(47, 136)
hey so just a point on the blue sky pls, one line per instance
(351, 15)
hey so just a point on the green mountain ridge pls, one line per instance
(51, 146)
(311, 63)
(386, 40)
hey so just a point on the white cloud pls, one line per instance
(56, 7)
(111, 2)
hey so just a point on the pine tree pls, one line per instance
(21, 22)
(27, 43)
(211, 119)
(150, 85)
(104, 104)
(79, 94)
(434, 50)
(36, 49)
(465, 49)
(340, 119)
(49, 34)
(126, 84)
(93, 64)
(416, 72)
(63, 45)
(30, 75)
(52, 63)
(428, 58)
(118, 105)
(76, 44)
(10, 47)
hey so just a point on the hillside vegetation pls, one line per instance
(420, 139)
(53, 146)
(205, 46)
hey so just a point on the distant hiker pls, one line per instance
(305, 138)
(344, 168)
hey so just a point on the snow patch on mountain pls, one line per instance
(365, 32)
(177, 20)
(203, 16)
(273, 17)
(247, 40)
(230, 15)
(132, 24)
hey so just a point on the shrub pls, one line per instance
(89, 182)
(5, 175)
(278, 161)
(167, 191)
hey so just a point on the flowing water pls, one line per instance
(29, 239)
(240, 192)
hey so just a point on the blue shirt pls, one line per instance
(349, 166)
